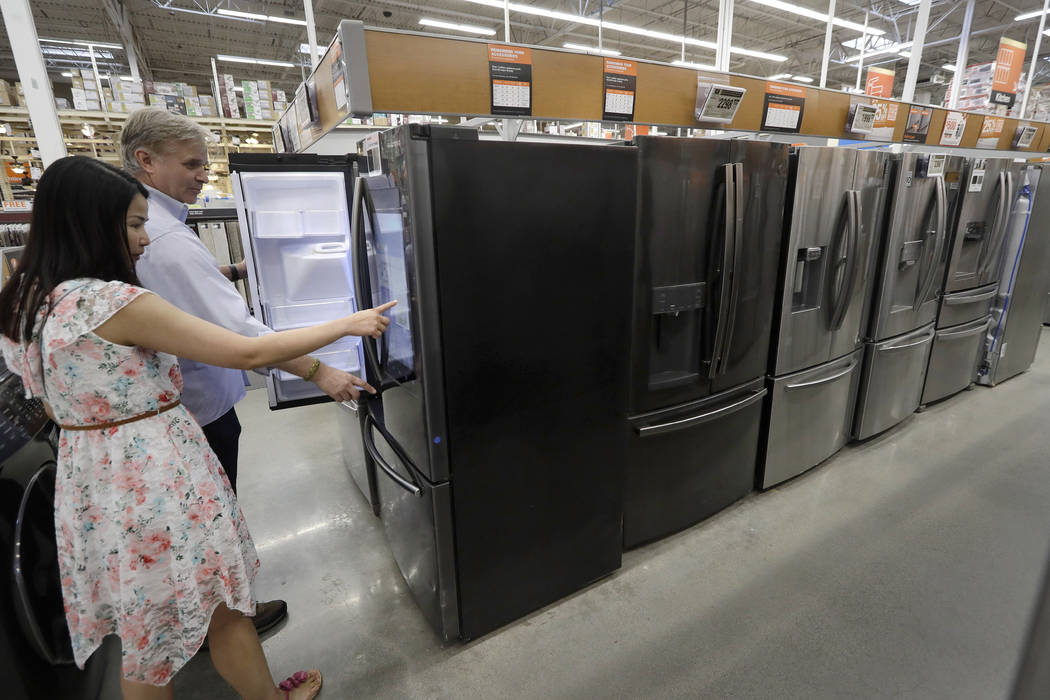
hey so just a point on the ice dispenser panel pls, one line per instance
(809, 268)
(677, 327)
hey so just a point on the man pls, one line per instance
(168, 153)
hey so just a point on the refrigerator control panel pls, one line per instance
(678, 298)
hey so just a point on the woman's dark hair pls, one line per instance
(78, 229)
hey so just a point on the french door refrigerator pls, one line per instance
(500, 426)
(1024, 275)
(707, 245)
(836, 210)
(909, 281)
(989, 197)
(294, 215)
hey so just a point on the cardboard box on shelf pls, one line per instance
(61, 103)
(6, 99)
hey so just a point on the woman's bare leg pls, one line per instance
(239, 659)
(144, 691)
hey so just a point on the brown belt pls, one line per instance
(114, 424)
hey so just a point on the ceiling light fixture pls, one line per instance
(305, 48)
(781, 76)
(67, 75)
(96, 44)
(623, 28)
(891, 48)
(949, 67)
(260, 61)
(802, 79)
(819, 16)
(689, 64)
(262, 18)
(128, 78)
(592, 49)
(1028, 15)
(468, 28)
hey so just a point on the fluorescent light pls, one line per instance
(803, 79)
(468, 28)
(623, 28)
(305, 48)
(260, 61)
(892, 48)
(128, 78)
(67, 75)
(949, 67)
(261, 18)
(577, 125)
(819, 16)
(694, 66)
(592, 49)
(781, 76)
(1028, 15)
(96, 44)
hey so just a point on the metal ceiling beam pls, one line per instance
(118, 14)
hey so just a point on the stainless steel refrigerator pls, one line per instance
(909, 281)
(499, 431)
(1024, 274)
(709, 220)
(987, 202)
(836, 212)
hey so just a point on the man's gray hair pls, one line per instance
(157, 130)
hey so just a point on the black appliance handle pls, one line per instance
(724, 292)
(370, 445)
(362, 286)
(999, 236)
(683, 423)
(734, 283)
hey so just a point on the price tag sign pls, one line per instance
(863, 118)
(717, 103)
(1024, 136)
(954, 127)
(936, 165)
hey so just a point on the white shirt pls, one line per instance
(177, 266)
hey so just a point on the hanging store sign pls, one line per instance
(510, 80)
(954, 127)
(879, 82)
(1024, 136)
(1008, 64)
(918, 125)
(717, 103)
(620, 81)
(783, 108)
(991, 132)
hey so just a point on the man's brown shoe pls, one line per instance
(268, 614)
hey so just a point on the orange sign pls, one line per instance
(879, 83)
(618, 67)
(885, 114)
(785, 90)
(1008, 64)
(499, 53)
(993, 126)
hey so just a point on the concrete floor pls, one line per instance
(904, 567)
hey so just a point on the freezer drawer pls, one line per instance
(810, 418)
(362, 470)
(967, 306)
(891, 384)
(953, 360)
(689, 462)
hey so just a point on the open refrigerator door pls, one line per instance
(295, 229)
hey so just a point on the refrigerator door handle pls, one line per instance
(852, 234)
(941, 200)
(1000, 214)
(1002, 222)
(924, 340)
(373, 451)
(734, 283)
(956, 335)
(683, 423)
(724, 292)
(361, 285)
(823, 380)
(350, 405)
(953, 300)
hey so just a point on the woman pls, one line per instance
(152, 545)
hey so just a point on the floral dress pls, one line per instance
(150, 537)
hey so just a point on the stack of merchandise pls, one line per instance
(228, 97)
(188, 93)
(258, 99)
(85, 91)
(280, 103)
(128, 96)
(975, 91)
(20, 97)
(1039, 103)
(208, 106)
(165, 95)
(7, 97)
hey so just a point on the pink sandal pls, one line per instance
(292, 682)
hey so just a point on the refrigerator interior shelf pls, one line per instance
(291, 223)
(346, 359)
(289, 316)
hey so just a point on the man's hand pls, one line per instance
(341, 386)
(370, 321)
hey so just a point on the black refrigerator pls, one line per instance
(709, 221)
(499, 431)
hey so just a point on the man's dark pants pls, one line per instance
(223, 433)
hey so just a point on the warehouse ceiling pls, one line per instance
(177, 39)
